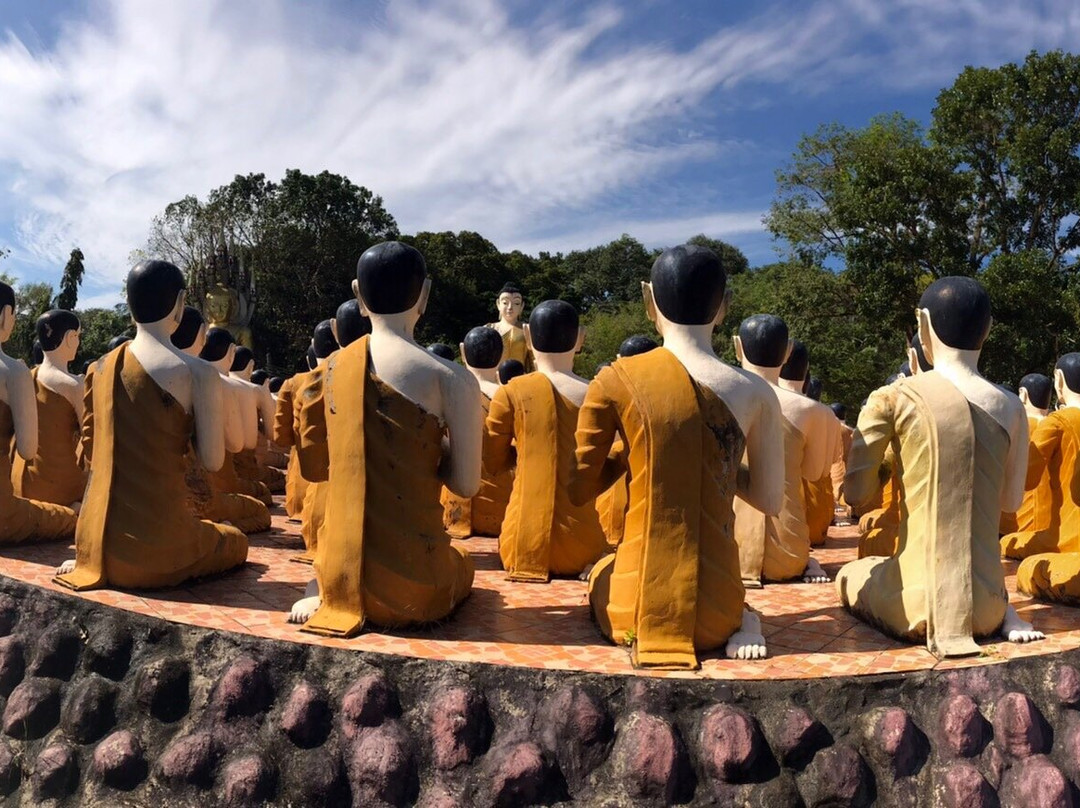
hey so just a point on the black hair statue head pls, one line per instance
(764, 339)
(37, 353)
(190, 323)
(260, 376)
(813, 388)
(839, 410)
(636, 344)
(351, 324)
(959, 310)
(117, 341)
(510, 369)
(275, 384)
(391, 277)
(217, 344)
(1039, 388)
(442, 350)
(798, 363)
(553, 327)
(312, 359)
(242, 358)
(688, 284)
(1069, 365)
(920, 354)
(904, 369)
(53, 326)
(322, 340)
(483, 348)
(152, 288)
(7, 297)
(510, 288)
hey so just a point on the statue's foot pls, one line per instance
(585, 573)
(66, 567)
(814, 574)
(1014, 629)
(304, 608)
(748, 642)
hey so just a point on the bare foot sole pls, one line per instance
(1014, 629)
(748, 642)
(814, 574)
(66, 567)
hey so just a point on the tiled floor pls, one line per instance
(548, 626)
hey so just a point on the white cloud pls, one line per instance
(457, 117)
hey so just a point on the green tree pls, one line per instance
(732, 258)
(608, 274)
(98, 327)
(70, 281)
(31, 301)
(605, 329)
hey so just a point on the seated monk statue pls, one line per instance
(1051, 547)
(23, 519)
(242, 406)
(209, 499)
(510, 304)
(961, 454)
(510, 369)
(777, 547)
(400, 418)
(672, 588)
(269, 453)
(146, 402)
(543, 532)
(1034, 513)
(483, 514)
(247, 462)
(817, 493)
(839, 466)
(612, 504)
(53, 474)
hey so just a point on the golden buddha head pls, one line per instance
(510, 304)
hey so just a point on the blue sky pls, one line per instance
(543, 126)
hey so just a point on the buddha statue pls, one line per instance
(23, 519)
(146, 401)
(777, 547)
(53, 474)
(530, 428)
(510, 369)
(209, 499)
(672, 588)
(442, 350)
(481, 515)
(510, 304)
(231, 310)
(1035, 391)
(961, 460)
(398, 416)
(250, 463)
(839, 465)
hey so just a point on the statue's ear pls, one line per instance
(1025, 399)
(461, 350)
(787, 353)
(650, 302)
(721, 313)
(178, 309)
(580, 339)
(7, 319)
(425, 293)
(926, 334)
(528, 338)
(333, 330)
(359, 298)
(739, 355)
(1059, 384)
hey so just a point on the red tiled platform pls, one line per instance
(548, 626)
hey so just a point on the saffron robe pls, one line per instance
(820, 504)
(245, 513)
(839, 466)
(543, 533)
(248, 467)
(776, 548)
(53, 475)
(286, 434)
(879, 528)
(515, 346)
(483, 514)
(26, 519)
(383, 554)
(945, 585)
(135, 529)
(1048, 520)
(672, 587)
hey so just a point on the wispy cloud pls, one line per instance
(457, 115)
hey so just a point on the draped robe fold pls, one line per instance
(135, 529)
(207, 501)
(53, 475)
(483, 514)
(543, 533)
(879, 527)
(945, 584)
(820, 504)
(672, 587)
(383, 554)
(1048, 520)
(286, 413)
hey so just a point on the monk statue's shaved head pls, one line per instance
(798, 363)
(188, 331)
(764, 339)
(152, 288)
(391, 277)
(510, 369)
(636, 344)
(483, 347)
(1069, 365)
(351, 324)
(217, 344)
(53, 326)
(959, 310)
(1039, 388)
(323, 340)
(554, 327)
(688, 284)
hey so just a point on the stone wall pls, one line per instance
(103, 707)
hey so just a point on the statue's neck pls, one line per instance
(555, 362)
(954, 364)
(242, 375)
(154, 332)
(683, 340)
(488, 375)
(222, 365)
(399, 325)
(1034, 411)
(794, 385)
(771, 375)
(54, 363)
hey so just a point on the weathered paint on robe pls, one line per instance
(1048, 520)
(483, 514)
(672, 587)
(879, 527)
(53, 475)
(286, 413)
(818, 496)
(245, 513)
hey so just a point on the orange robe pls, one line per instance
(879, 527)
(483, 514)
(383, 553)
(135, 529)
(1048, 520)
(286, 415)
(248, 467)
(820, 504)
(54, 474)
(839, 466)
(672, 587)
(206, 501)
(543, 534)
(26, 519)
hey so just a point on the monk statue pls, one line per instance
(23, 519)
(961, 458)
(483, 514)
(442, 350)
(777, 547)
(286, 422)
(394, 424)
(543, 532)
(672, 588)
(349, 323)
(1035, 391)
(145, 403)
(53, 474)
(208, 497)
(510, 304)
(839, 465)
(248, 464)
